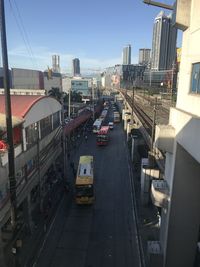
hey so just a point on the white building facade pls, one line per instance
(37, 137)
(180, 220)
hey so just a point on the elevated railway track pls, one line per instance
(147, 111)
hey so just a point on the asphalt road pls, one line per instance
(101, 235)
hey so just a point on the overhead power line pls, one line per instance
(23, 32)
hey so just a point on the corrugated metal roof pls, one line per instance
(77, 121)
(85, 115)
(20, 104)
(15, 121)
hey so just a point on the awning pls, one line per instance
(77, 121)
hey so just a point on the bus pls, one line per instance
(103, 114)
(102, 136)
(97, 125)
(84, 181)
(116, 116)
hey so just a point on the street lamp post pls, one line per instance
(133, 92)
(93, 102)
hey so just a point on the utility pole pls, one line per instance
(37, 128)
(69, 104)
(8, 111)
(155, 107)
(133, 95)
(63, 139)
(93, 101)
(154, 124)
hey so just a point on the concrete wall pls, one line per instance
(55, 82)
(184, 218)
(190, 54)
(181, 218)
(26, 79)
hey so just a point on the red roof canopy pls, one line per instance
(20, 104)
(77, 121)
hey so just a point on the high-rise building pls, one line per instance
(56, 63)
(144, 56)
(163, 43)
(126, 55)
(75, 67)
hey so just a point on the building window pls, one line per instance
(31, 135)
(45, 126)
(56, 120)
(195, 80)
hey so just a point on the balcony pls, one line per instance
(159, 193)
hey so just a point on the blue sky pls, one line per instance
(94, 31)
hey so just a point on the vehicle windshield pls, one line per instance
(102, 137)
(84, 190)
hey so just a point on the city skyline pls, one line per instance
(126, 55)
(97, 43)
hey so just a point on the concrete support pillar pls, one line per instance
(124, 111)
(130, 126)
(132, 148)
(126, 118)
(24, 139)
(2, 253)
(183, 216)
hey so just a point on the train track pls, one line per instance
(145, 119)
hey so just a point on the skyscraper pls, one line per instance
(56, 63)
(126, 55)
(144, 56)
(163, 43)
(76, 67)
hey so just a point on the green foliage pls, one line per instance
(76, 97)
(55, 92)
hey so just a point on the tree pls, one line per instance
(55, 92)
(76, 96)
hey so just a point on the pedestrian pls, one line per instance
(86, 138)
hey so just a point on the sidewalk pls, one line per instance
(148, 222)
(31, 242)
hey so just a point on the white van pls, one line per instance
(111, 125)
